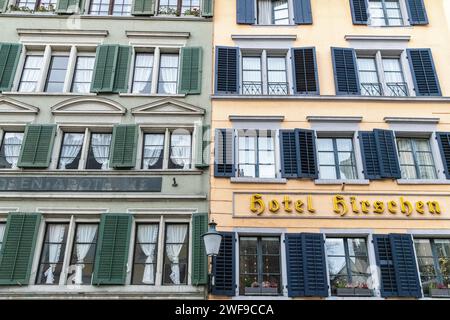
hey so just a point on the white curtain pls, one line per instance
(100, 148)
(176, 235)
(2, 234)
(180, 152)
(392, 70)
(83, 74)
(276, 69)
(31, 73)
(12, 143)
(85, 235)
(143, 73)
(146, 234)
(367, 70)
(265, 12)
(168, 73)
(71, 148)
(154, 145)
(55, 237)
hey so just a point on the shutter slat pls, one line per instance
(387, 154)
(3, 6)
(302, 12)
(105, 68)
(416, 12)
(307, 163)
(123, 146)
(207, 8)
(359, 11)
(289, 154)
(199, 259)
(245, 11)
(443, 139)
(224, 266)
(426, 82)
(305, 71)
(369, 155)
(191, 70)
(122, 69)
(383, 255)
(143, 7)
(295, 269)
(37, 146)
(227, 72)
(224, 153)
(9, 58)
(345, 71)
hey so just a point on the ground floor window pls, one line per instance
(259, 266)
(145, 254)
(176, 254)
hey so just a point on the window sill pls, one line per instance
(88, 172)
(16, 93)
(330, 98)
(342, 182)
(423, 181)
(158, 95)
(259, 180)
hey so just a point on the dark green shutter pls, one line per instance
(17, 252)
(444, 146)
(122, 69)
(359, 11)
(426, 81)
(224, 266)
(416, 12)
(199, 258)
(369, 155)
(123, 149)
(289, 154)
(105, 68)
(143, 7)
(112, 252)
(227, 70)
(305, 71)
(387, 154)
(191, 70)
(3, 5)
(9, 58)
(37, 146)
(307, 163)
(345, 71)
(68, 6)
(245, 12)
(207, 8)
(302, 12)
(224, 153)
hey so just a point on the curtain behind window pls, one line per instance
(85, 236)
(100, 148)
(55, 237)
(12, 144)
(71, 148)
(146, 234)
(265, 12)
(180, 151)
(175, 238)
(2, 233)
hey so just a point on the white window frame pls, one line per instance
(404, 13)
(6, 129)
(290, 15)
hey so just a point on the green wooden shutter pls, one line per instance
(37, 146)
(122, 69)
(143, 8)
(123, 149)
(199, 258)
(9, 58)
(191, 70)
(112, 252)
(17, 253)
(201, 146)
(207, 8)
(68, 6)
(3, 5)
(105, 68)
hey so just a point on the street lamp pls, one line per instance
(212, 240)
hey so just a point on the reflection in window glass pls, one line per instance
(368, 77)
(99, 7)
(272, 12)
(143, 69)
(30, 4)
(336, 158)
(121, 7)
(83, 74)
(83, 254)
(393, 75)
(57, 74)
(153, 151)
(145, 254)
(180, 150)
(277, 76)
(98, 156)
(71, 151)
(31, 73)
(10, 149)
(251, 76)
(168, 7)
(190, 7)
(168, 73)
(385, 13)
(176, 254)
(416, 158)
(256, 154)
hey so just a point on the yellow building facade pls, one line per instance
(331, 149)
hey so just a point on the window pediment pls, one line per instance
(167, 106)
(11, 106)
(88, 106)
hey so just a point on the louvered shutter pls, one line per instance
(302, 12)
(307, 163)
(289, 154)
(383, 255)
(387, 154)
(37, 146)
(17, 252)
(143, 7)
(426, 81)
(191, 70)
(9, 58)
(224, 153)
(305, 71)
(294, 265)
(199, 258)
(224, 266)
(3, 6)
(105, 68)
(207, 8)
(68, 6)
(359, 11)
(227, 70)
(345, 71)
(123, 146)
(369, 155)
(112, 252)
(416, 12)
(245, 11)
(443, 139)
(122, 69)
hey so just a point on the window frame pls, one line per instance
(188, 260)
(3, 132)
(178, 10)
(136, 243)
(413, 151)
(111, 5)
(404, 17)
(290, 15)
(75, 69)
(38, 3)
(336, 152)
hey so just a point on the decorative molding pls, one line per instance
(377, 38)
(61, 32)
(11, 106)
(256, 118)
(157, 34)
(88, 106)
(68, 37)
(167, 106)
(259, 37)
(333, 119)
(409, 120)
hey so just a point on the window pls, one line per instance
(273, 12)
(69, 157)
(57, 74)
(175, 269)
(2, 233)
(336, 158)
(180, 150)
(385, 13)
(52, 255)
(393, 75)
(348, 262)
(98, 155)
(82, 78)
(145, 254)
(31, 73)
(34, 5)
(143, 72)
(259, 266)
(190, 7)
(434, 265)
(168, 73)
(277, 83)
(10, 149)
(153, 154)
(251, 76)
(110, 7)
(368, 77)
(416, 158)
(179, 7)
(83, 253)
(256, 154)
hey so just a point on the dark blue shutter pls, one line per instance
(345, 71)
(289, 154)
(314, 265)
(245, 11)
(408, 283)
(426, 81)
(444, 146)
(302, 12)
(359, 11)
(416, 12)
(227, 70)
(305, 71)
(224, 153)
(369, 155)
(224, 266)
(294, 265)
(307, 163)
(387, 154)
(383, 255)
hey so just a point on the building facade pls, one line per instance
(331, 149)
(103, 110)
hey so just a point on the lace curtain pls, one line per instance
(31, 73)
(154, 145)
(2, 234)
(85, 236)
(147, 235)
(264, 11)
(71, 148)
(176, 235)
(101, 143)
(168, 73)
(55, 238)
(180, 152)
(12, 144)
